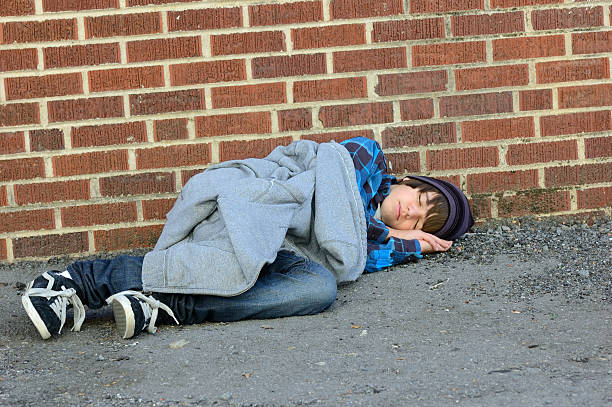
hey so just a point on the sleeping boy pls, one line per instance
(262, 238)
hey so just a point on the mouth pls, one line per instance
(399, 211)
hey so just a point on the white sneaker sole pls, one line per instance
(35, 317)
(124, 317)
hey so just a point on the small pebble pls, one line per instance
(178, 344)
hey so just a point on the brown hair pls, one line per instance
(438, 213)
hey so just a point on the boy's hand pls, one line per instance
(429, 243)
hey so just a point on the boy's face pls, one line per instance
(405, 207)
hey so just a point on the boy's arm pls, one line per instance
(429, 243)
(385, 250)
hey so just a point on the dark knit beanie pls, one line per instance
(460, 218)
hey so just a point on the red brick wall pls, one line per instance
(107, 107)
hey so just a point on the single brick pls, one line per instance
(234, 123)
(592, 42)
(164, 102)
(470, 105)
(183, 155)
(485, 24)
(554, 19)
(83, 109)
(138, 184)
(18, 59)
(338, 136)
(52, 6)
(167, 48)
(99, 214)
(328, 36)
(16, 8)
(537, 99)
(497, 129)
(171, 129)
(39, 31)
(248, 42)
(330, 89)
(340, 9)
(90, 163)
(109, 134)
(598, 147)
(411, 82)
(204, 19)
(288, 65)
(369, 59)
(575, 123)
(595, 198)
(401, 163)
(530, 153)
(448, 53)
(156, 208)
(528, 47)
(481, 207)
(490, 182)
(443, 6)
(585, 96)
(417, 109)
(50, 245)
(46, 140)
(23, 168)
(27, 220)
(578, 175)
(451, 159)
(353, 115)
(574, 70)
(18, 114)
(237, 150)
(128, 238)
(45, 192)
(405, 30)
(249, 95)
(27, 87)
(208, 72)
(294, 119)
(533, 202)
(80, 55)
(521, 3)
(423, 135)
(122, 25)
(126, 78)
(492, 77)
(11, 143)
(288, 13)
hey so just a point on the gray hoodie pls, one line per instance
(233, 218)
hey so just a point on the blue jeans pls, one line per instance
(291, 285)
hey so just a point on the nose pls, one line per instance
(415, 211)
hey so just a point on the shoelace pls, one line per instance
(59, 305)
(152, 302)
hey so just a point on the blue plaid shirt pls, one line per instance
(374, 185)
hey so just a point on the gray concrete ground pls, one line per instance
(516, 314)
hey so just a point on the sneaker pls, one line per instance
(134, 312)
(46, 299)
